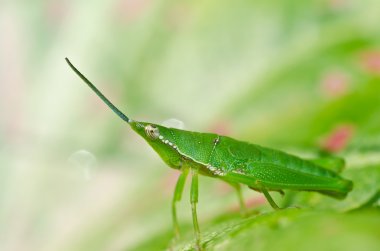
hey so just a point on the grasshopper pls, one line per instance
(235, 162)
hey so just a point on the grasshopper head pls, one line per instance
(161, 139)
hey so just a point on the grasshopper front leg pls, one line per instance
(194, 201)
(176, 198)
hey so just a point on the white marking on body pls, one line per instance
(167, 142)
(215, 170)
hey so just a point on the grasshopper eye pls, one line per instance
(152, 131)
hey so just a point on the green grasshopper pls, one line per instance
(235, 162)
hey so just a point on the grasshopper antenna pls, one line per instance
(100, 95)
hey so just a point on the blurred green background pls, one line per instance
(302, 76)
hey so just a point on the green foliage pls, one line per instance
(288, 229)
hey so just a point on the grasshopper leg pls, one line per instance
(270, 199)
(194, 201)
(260, 188)
(176, 198)
(268, 196)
